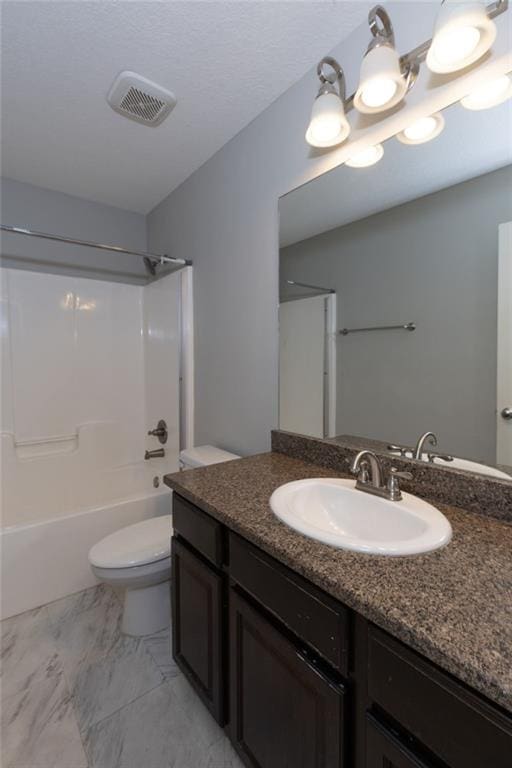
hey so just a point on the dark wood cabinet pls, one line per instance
(318, 620)
(454, 723)
(285, 713)
(310, 683)
(384, 750)
(198, 626)
(198, 529)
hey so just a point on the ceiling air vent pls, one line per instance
(139, 99)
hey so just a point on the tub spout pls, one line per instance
(158, 453)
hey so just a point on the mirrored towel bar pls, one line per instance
(154, 258)
(312, 287)
(403, 327)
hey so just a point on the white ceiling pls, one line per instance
(225, 61)
(471, 144)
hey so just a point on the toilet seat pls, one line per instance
(135, 545)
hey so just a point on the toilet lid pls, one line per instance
(137, 544)
(204, 455)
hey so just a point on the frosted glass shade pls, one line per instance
(328, 125)
(381, 83)
(463, 33)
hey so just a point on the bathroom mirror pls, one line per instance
(396, 298)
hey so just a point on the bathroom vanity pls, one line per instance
(390, 662)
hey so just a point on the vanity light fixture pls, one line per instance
(489, 94)
(328, 125)
(463, 33)
(382, 81)
(367, 157)
(422, 130)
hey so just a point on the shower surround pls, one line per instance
(88, 367)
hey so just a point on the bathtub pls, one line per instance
(47, 560)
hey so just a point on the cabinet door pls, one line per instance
(284, 712)
(197, 626)
(384, 750)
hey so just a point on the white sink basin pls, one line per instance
(333, 511)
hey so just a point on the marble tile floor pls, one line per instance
(76, 693)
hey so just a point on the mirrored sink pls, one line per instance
(331, 510)
(457, 463)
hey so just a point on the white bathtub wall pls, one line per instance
(73, 421)
(88, 367)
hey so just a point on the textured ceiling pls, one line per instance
(225, 61)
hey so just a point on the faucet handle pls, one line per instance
(441, 456)
(393, 486)
(160, 432)
(401, 449)
(394, 472)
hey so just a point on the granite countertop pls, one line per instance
(453, 605)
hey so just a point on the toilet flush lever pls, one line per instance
(160, 431)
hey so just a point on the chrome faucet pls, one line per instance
(364, 461)
(419, 449)
(368, 469)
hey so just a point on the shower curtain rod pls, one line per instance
(153, 258)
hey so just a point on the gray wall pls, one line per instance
(432, 261)
(25, 205)
(224, 218)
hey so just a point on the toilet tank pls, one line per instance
(203, 456)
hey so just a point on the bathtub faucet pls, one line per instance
(158, 453)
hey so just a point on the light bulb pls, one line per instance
(463, 33)
(489, 94)
(377, 92)
(455, 45)
(381, 82)
(328, 125)
(366, 157)
(422, 130)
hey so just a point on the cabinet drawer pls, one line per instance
(317, 619)
(447, 718)
(198, 626)
(284, 711)
(384, 750)
(200, 530)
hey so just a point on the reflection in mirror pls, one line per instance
(396, 298)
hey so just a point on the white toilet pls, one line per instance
(138, 558)
(204, 455)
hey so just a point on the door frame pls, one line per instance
(504, 348)
(331, 343)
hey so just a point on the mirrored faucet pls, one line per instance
(419, 450)
(368, 469)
